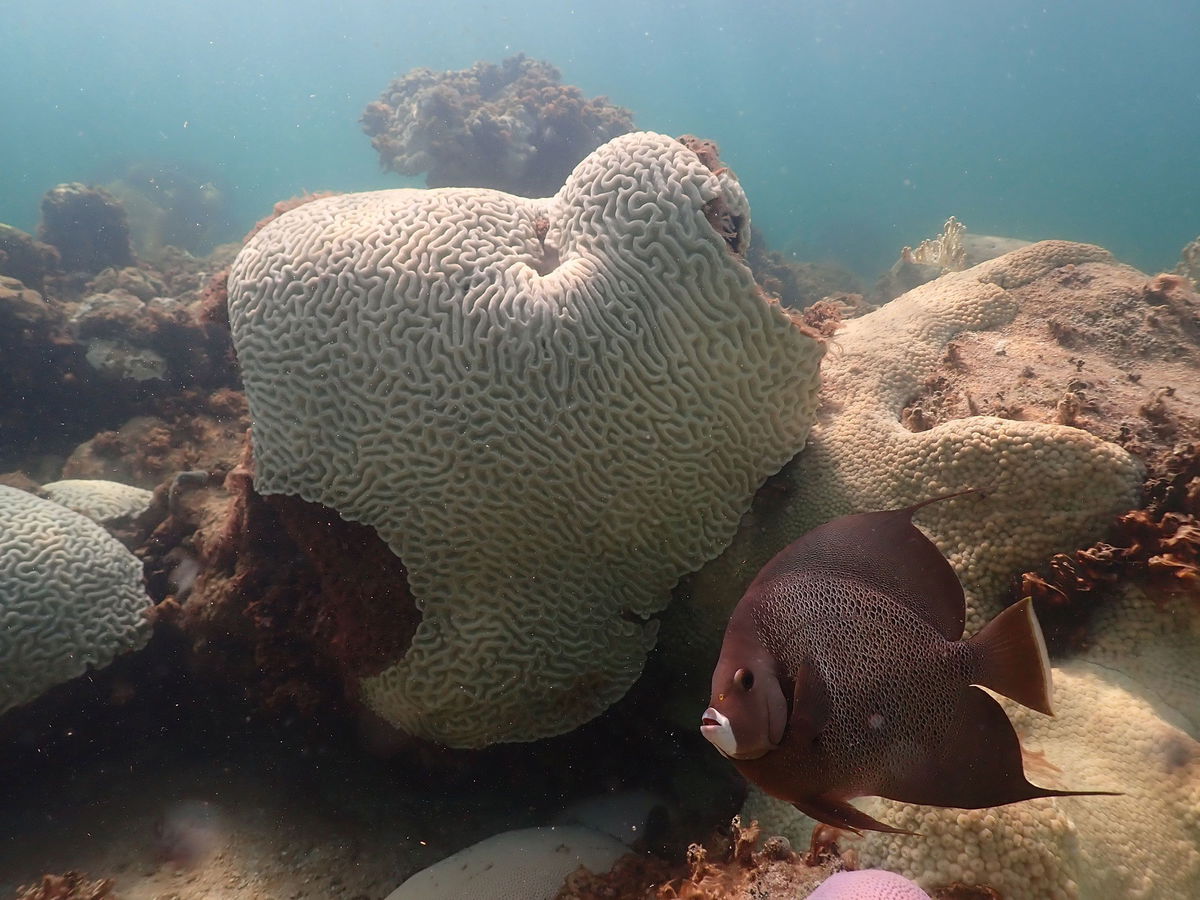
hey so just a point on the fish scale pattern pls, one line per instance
(548, 409)
(829, 619)
(71, 597)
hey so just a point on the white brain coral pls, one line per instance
(548, 409)
(101, 501)
(71, 597)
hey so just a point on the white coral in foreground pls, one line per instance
(548, 409)
(71, 597)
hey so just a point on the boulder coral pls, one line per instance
(901, 421)
(526, 864)
(71, 597)
(1155, 640)
(88, 227)
(548, 409)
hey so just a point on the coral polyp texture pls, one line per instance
(548, 409)
(512, 126)
(71, 597)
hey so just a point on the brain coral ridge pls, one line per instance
(71, 597)
(549, 410)
(1046, 487)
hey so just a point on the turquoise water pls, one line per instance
(856, 127)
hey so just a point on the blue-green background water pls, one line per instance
(856, 127)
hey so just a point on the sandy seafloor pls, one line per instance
(249, 821)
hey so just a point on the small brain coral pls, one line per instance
(512, 126)
(101, 501)
(548, 409)
(71, 597)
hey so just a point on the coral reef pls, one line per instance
(545, 446)
(26, 260)
(200, 433)
(81, 362)
(69, 886)
(291, 602)
(58, 567)
(947, 251)
(1158, 551)
(732, 866)
(513, 126)
(88, 227)
(1074, 342)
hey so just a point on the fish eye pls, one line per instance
(744, 679)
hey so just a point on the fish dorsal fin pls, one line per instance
(884, 551)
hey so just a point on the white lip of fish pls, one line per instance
(716, 729)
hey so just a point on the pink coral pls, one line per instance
(868, 884)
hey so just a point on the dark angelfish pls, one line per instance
(844, 674)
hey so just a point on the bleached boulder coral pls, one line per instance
(71, 597)
(548, 409)
(1048, 486)
(527, 864)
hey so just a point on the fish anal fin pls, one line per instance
(841, 814)
(979, 765)
(1012, 659)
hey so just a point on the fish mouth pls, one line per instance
(717, 731)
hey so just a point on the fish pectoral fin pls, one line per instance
(840, 814)
(810, 704)
(979, 765)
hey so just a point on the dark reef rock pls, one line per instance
(797, 284)
(88, 226)
(72, 367)
(23, 258)
(513, 126)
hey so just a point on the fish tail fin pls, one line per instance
(1012, 658)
